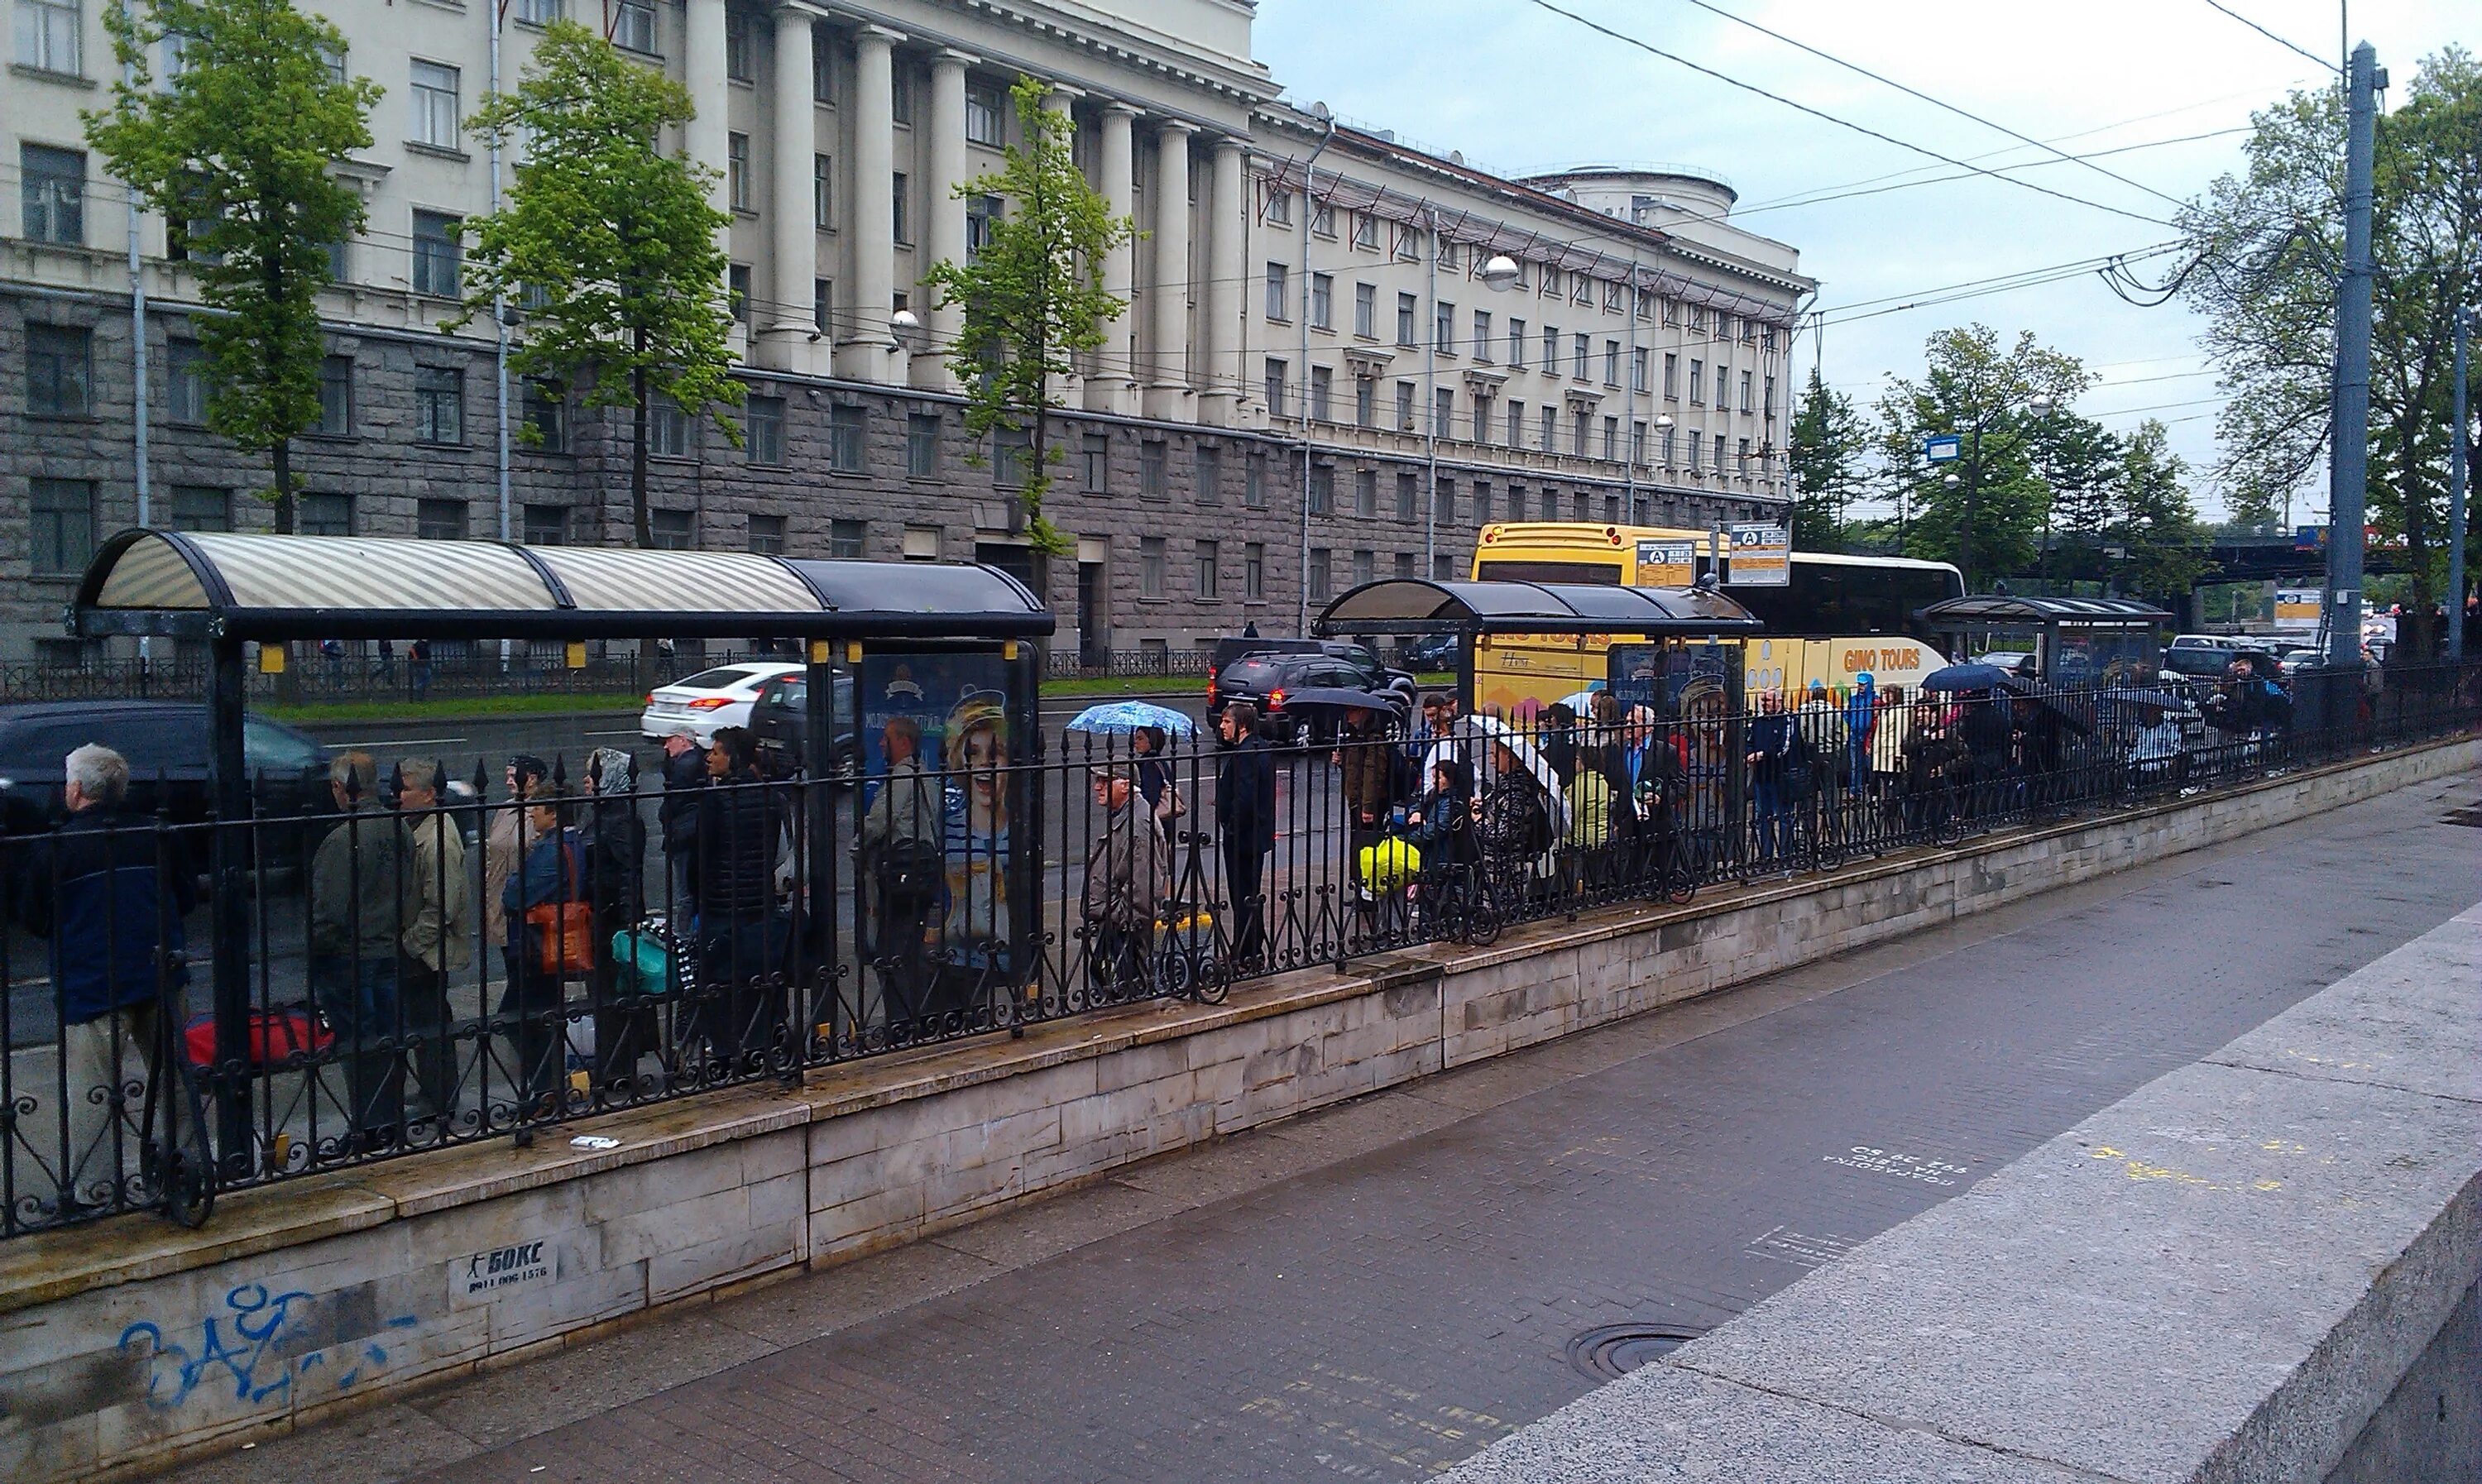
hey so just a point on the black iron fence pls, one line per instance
(433, 963)
(1070, 662)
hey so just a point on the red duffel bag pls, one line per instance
(273, 1037)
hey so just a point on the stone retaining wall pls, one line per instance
(129, 1344)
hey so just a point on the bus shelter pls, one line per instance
(1475, 612)
(2074, 641)
(926, 641)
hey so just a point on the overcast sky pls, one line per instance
(1520, 89)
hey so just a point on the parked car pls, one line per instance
(1344, 661)
(166, 745)
(779, 719)
(2207, 656)
(705, 702)
(2005, 659)
(1262, 679)
(1432, 651)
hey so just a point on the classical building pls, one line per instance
(1303, 392)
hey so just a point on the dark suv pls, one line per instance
(779, 721)
(1264, 679)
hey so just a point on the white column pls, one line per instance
(944, 238)
(1168, 383)
(1115, 386)
(789, 322)
(868, 350)
(702, 74)
(1227, 220)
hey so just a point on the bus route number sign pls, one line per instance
(1666, 564)
(1761, 555)
(1942, 447)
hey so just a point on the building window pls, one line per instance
(981, 214)
(1366, 311)
(736, 46)
(736, 170)
(1279, 208)
(1366, 392)
(439, 520)
(1404, 406)
(823, 303)
(1012, 449)
(546, 416)
(1365, 232)
(1095, 462)
(1208, 474)
(767, 535)
(1667, 447)
(670, 432)
(1611, 362)
(1365, 491)
(1405, 563)
(1444, 411)
(1279, 293)
(1719, 453)
(62, 535)
(673, 530)
(1516, 424)
(983, 115)
(1319, 579)
(1550, 282)
(845, 425)
(1152, 473)
(201, 508)
(1253, 571)
(1611, 438)
(1323, 217)
(1322, 301)
(60, 371)
(1697, 382)
(1481, 336)
(1671, 375)
(48, 34)
(823, 202)
(922, 444)
(1408, 497)
(1407, 308)
(1482, 502)
(1579, 347)
(1723, 386)
(1770, 405)
(438, 404)
(1206, 573)
(1151, 567)
(1253, 482)
(1550, 504)
(1444, 326)
(900, 103)
(1408, 244)
(763, 428)
(1278, 395)
(822, 67)
(1322, 495)
(52, 182)
(1577, 435)
(1517, 344)
(1549, 428)
(904, 233)
(1322, 382)
(324, 515)
(1365, 565)
(1637, 443)
(736, 291)
(535, 13)
(1637, 369)
(633, 26)
(919, 544)
(437, 254)
(1550, 350)
(546, 525)
(1445, 501)
(846, 540)
(185, 381)
(435, 112)
(335, 394)
(1741, 464)
(1747, 404)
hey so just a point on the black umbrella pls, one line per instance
(1341, 696)
(1972, 677)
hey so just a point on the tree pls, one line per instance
(2079, 462)
(607, 243)
(1032, 294)
(2268, 245)
(1989, 519)
(1829, 444)
(2155, 526)
(235, 146)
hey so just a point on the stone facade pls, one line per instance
(799, 106)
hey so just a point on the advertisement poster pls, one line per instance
(2296, 610)
(1761, 555)
(959, 704)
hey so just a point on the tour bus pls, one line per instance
(1836, 618)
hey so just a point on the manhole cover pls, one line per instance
(1616, 1349)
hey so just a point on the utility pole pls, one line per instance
(2345, 501)
(1309, 209)
(2458, 459)
(1431, 419)
(138, 373)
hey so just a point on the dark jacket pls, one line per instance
(1445, 836)
(362, 892)
(1370, 765)
(1779, 746)
(95, 888)
(554, 870)
(677, 814)
(739, 824)
(1245, 795)
(615, 846)
(1516, 821)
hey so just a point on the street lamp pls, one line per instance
(1501, 272)
(1663, 425)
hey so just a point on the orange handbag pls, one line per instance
(564, 931)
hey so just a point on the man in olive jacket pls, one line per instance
(362, 899)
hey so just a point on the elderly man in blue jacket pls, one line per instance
(109, 897)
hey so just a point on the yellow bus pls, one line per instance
(1838, 617)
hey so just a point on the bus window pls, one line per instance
(1599, 573)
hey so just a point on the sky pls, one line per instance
(1520, 89)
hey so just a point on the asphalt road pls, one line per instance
(1379, 1289)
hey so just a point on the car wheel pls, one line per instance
(846, 770)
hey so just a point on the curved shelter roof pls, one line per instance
(2009, 608)
(319, 586)
(1416, 605)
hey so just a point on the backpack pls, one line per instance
(911, 874)
(1590, 808)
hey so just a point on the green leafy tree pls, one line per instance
(2269, 244)
(606, 243)
(1033, 295)
(236, 147)
(2079, 461)
(2155, 525)
(1989, 521)
(1830, 449)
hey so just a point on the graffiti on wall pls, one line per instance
(265, 1344)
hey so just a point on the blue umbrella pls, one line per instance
(1119, 718)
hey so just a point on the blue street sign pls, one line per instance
(1939, 448)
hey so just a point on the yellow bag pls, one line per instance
(1384, 865)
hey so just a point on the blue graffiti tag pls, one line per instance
(257, 1320)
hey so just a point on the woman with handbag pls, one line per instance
(551, 928)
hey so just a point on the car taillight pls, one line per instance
(1210, 688)
(710, 702)
(650, 698)
(1275, 700)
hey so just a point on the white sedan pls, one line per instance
(705, 702)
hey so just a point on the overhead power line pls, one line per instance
(1651, 49)
(1916, 93)
(2272, 36)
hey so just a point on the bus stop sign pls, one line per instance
(1761, 555)
(1942, 447)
